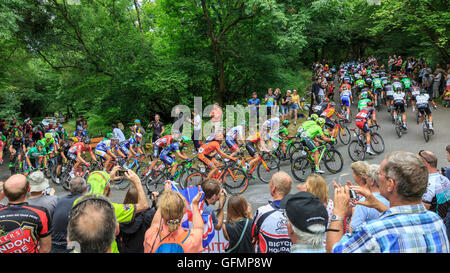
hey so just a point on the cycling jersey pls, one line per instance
(164, 141)
(34, 153)
(364, 94)
(79, 147)
(407, 83)
(397, 85)
(17, 144)
(365, 114)
(399, 97)
(422, 100)
(49, 143)
(234, 132)
(384, 80)
(172, 148)
(415, 91)
(329, 112)
(314, 131)
(360, 83)
(346, 87)
(131, 142)
(377, 83)
(207, 149)
(254, 138)
(363, 103)
(305, 125)
(103, 145)
(271, 123)
(389, 88)
(347, 78)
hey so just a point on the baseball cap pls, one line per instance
(304, 209)
(38, 182)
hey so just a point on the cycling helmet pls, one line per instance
(139, 135)
(185, 139)
(109, 135)
(321, 121)
(285, 122)
(137, 121)
(40, 143)
(48, 135)
(345, 88)
(314, 117)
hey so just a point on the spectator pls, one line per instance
(406, 226)
(315, 88)
(268, 231)
(132, 233)
(270, 102)
(293, 109)
(40, 194)
(437, 196)
(77, 187)
(18, 217)
(277, 95)
(399, 64)
(158, 128)
(196, 134)
(254, 104)
(307, 222)
(362, 214)
(446, 97)
(118, 133)
(447, 153)
(238, 228)
(427, 83)
(213, 193)
(286, 101)
(92, 225)
(216, 118)
(165, 234)
(177, 128)
(316, 184)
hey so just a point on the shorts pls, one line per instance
(329, 122)
(59, 159)
(294, 107)
(413, 98)
(72, 156)
(310, 144)
(124, 149)
(390, 97)
(167, 159)
(156, 151)
(269, 110)
(399, 107)
(424, 109)
(231, 144)
(1, 145)
(34, 163)
(100, 154)
(345, 101)
(208, 160)
(250, 146)
(284, 109)
(362, 124)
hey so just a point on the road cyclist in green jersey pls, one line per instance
(312, 137)
(406, 83)
(360, 84)
(282, 133)
(36, 156)
(377, 87)
(363, 103)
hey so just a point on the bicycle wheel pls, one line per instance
(356, 151)
(334, 162)
(344, 135)
(298, 152)
(121, 184)
(397, 128)
(65, 179)
(152, 180)
(235, 180)
(191, 178)
(301, 169)
(272, 161)
(377, 143)
(265, 172)
(426, 134)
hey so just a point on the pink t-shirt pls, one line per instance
(216, 115)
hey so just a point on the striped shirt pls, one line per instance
(400, 229)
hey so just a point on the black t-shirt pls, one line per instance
(157, 127)
(61, 220)
(21, 227)
(17, 144)
(234, 230)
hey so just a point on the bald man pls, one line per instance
(269, 229)
(25, 228)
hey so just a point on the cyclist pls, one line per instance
(389, 89)
(61, 156)
(312, 137)
(363, 121)
(236, 136)
(413, 93)
(346, 101)
(104, 151)
(205, 151)
(424, 108)
(359, 84)
(177, 149)
(377, 87)
(270, 127)
(282, 133)
(159, 145)
(50, 145)
(406, 83)
(128, 147)
(36, 156)
(17, 147)
(2, 145)
(257, 139)
(399, 99)
(136, 128)
(368, 80)
(75, 151)
(328, 114)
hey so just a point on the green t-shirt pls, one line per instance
(314, 131)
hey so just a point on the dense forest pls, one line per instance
(113, 60)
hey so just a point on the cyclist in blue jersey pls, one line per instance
(104, 150)
(176, 148)
(132, 146)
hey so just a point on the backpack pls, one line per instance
(172, 245)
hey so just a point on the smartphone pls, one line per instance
(47, 191)
(121, 171)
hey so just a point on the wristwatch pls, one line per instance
(336, 218)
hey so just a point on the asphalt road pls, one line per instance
(258, 194)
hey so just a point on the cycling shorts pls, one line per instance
(167, 159)
(100, 154)
(208, 160)
(362, 124)
(72, 156)
(310, 144)
(156, 151)
(390, 97)
(424, 109)
(250, 148)
(345, 101)
(124, 149)
(1, 145)
(413, 98)
(399, 107)
(34, 163)
(329, 123)
(231, 144)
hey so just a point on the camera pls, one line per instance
(121, 171)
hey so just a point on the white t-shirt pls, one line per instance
(198, 120)
(119, 134)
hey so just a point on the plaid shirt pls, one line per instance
(401, 229)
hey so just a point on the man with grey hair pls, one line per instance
(77, 188)
(362, 214)
(406, 227)
(269, 230)
(307, 222)
(437, 196)
(92, 225)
